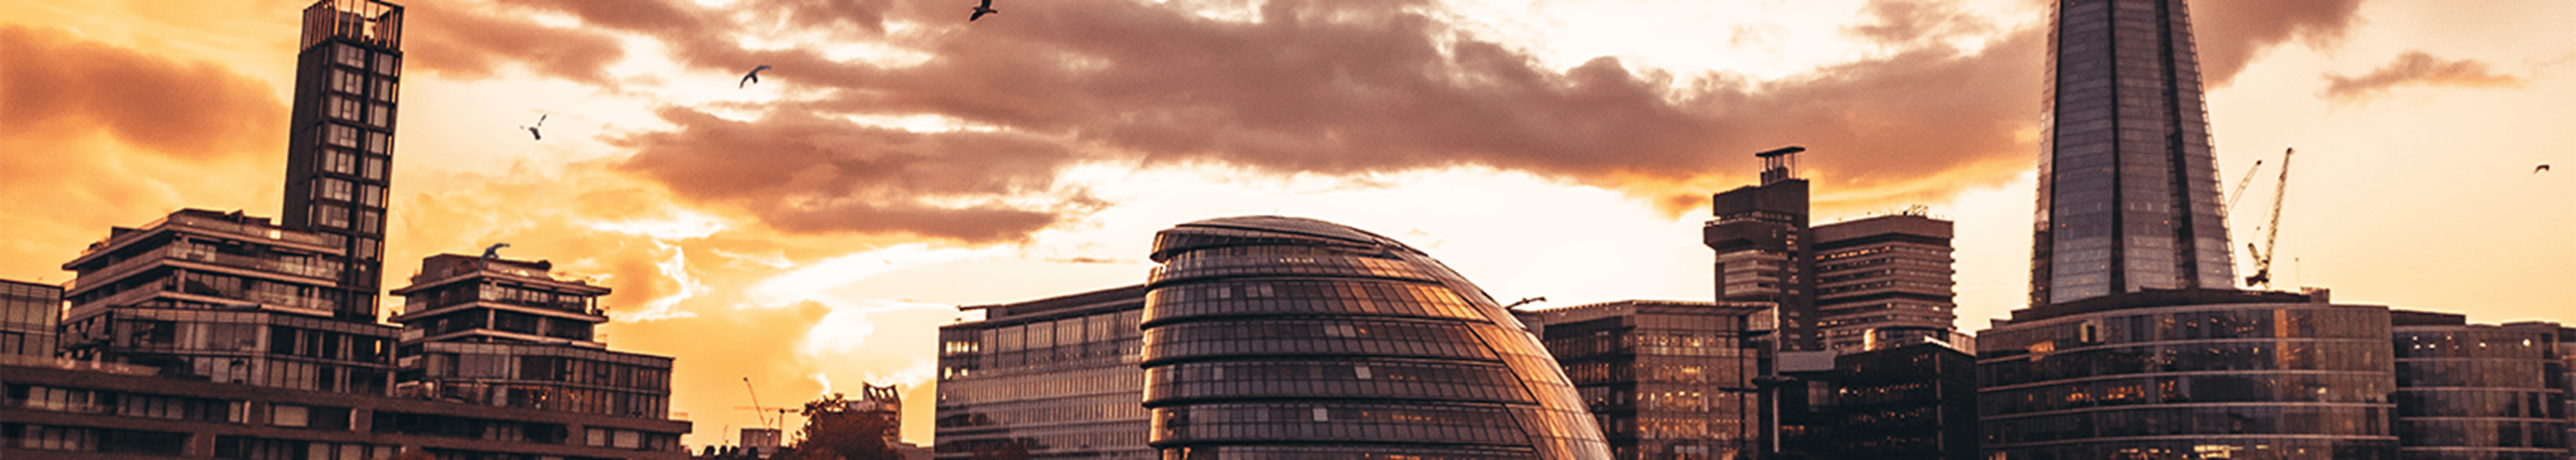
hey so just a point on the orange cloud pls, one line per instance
(2414, 68)
(57, 82)
(2231, 34)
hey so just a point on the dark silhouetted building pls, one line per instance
(223, 297)
(339, 153)
(1282, 337)
(500, 332)
(29, 313)
(1046, 378)
(1885, 281)
(2478, 391)
(1762, 242)
(1664, 379)
(2189, 374)
(1903, 402)
(2128, 192)
(208, 334)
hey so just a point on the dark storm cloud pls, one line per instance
(2415, 68)
(2232, 33)
(1329, 86)
(188, 110)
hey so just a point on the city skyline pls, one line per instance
(2375, 92)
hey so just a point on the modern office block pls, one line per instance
(2192, 374)
(223, 297)
(1763, 249)
(1046, 378)
(500, 332)
(2128, 192)
(1281, 337)
(1664, 379)
(29, 313)
(1915, 401)
(1884, 281)
(2478, 391)
(339, 154)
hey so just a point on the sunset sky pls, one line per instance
(811, 231)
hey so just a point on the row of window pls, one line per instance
(1033, 412)
(2233, 323)
(2300, 387)
(2493, 434)
(545, 368)
(1508, 390)
(346, 162)
(52, 399)
(86, 439)
(1337, 422)
(1366, 267)
(2321, 421)
(1306, 336)
(248, 448)
(1100, 327)
(980, 389)
(1679, 343)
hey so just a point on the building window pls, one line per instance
(339, 161)
(371, 195)
(348, 82)
(352, 56)
(388, 64)
(370, 221)
(340, 135)
(330, 189)
(342, 108)
(330, 215)
(382, 116)
(289, 416)
(380, 143)
(376, 167)
(385, 90)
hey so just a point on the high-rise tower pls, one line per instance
(2128, 197)
(339, 157)
(1762, 244)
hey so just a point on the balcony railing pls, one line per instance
(219, 226)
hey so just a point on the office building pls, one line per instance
(1761, 239)
(2128, 192)
(2189, 374)
(339, 153)
(1885, 281)
(223, 297)
(500, 332)
(29, 312)
(209, 334)
(1046, 378)
(1915, 402)
(1282, 337)
(2478, 391)
(1664, 379)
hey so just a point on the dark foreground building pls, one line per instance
(1912, 402)
(1046, 378)
(2188, 375)
(2479, 391)
(1665, 379)
(1281, 337)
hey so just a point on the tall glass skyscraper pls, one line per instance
(1281, 337)
(2128, 194)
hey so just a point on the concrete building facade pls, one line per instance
(1045, 378)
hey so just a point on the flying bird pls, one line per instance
(753, 77)
(2544, 167)
(981, 10)
(494, 251)
(532, 129)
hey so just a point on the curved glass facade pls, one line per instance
(1280, 337)
(2479, 392)
(2272, 381)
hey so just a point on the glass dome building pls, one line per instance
(1283, 337)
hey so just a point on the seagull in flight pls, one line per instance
(2544, 167)
(532, 129)
(981, 10)
(753, 77)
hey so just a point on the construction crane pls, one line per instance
(2239, 193)
(761, 413)
(2262, 277)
